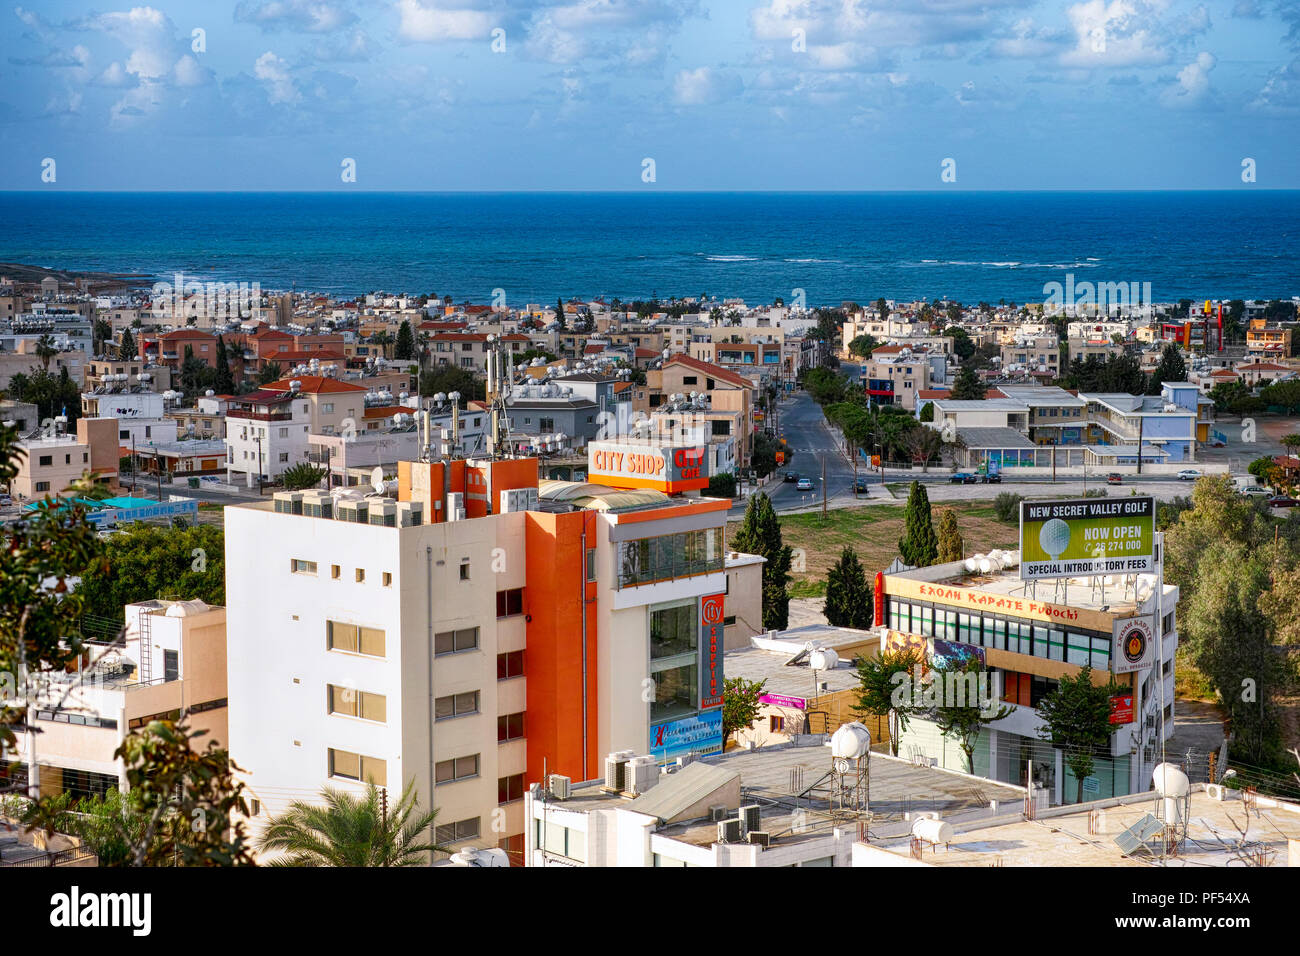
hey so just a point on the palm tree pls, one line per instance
(46, 350)
(352, 830)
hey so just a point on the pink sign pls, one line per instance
(780, 700)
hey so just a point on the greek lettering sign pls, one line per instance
(1087, 536)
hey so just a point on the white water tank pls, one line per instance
(823, 659)
(932, 831)
(852, 741)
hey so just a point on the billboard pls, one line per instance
(712, 610)
(1133, 644)
(662, 466)
(695, 734)
(1087, 536)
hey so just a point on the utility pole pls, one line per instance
(134, 462)
(823, 486)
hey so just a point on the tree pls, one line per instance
(1291, 442)
(1172, 368)
(880, 691)
(450, 378)
(270, 372)
(404, 350)
(740, 705)
(848, 595)
(353, 830)
(51, 394)
(100, 332)
(145, 562)
(927, 413)
(918, 546)
(302, 475)
(968, 386)
(863, 345)
(722, 486)
(559, 313)
(963, 345)
(46, 350)
(964, 712)
(526, 357)
(224, 381)
(760, 533)
(951, 546)
(1224, 394)
(763, 459)
(1076, 718)
(126, 348)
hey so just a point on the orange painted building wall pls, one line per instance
(553, 659)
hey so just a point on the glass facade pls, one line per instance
(675, 660)
(669, 556)
(1000, 631)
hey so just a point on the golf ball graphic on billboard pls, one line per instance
(1081, 537)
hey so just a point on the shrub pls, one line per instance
(1007, 506)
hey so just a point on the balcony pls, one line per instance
(259, 416)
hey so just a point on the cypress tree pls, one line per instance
(127, 349)
(559, 313)
(224, 383)
(951, 546)
(405, 347)
(848, 596)
(919, 546)
(760, 533)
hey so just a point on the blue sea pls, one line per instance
(757, 246)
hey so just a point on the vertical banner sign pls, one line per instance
(880, 598)
(712, 610)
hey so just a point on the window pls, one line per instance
(510, 603)
(361, 575)
(47, 460)
(455, 705)
(354, 639)
(673, 632)
(388, 579)
(546, 424)
(327, 408)
(284, 456)
(461, 768)
(350, 766)
(510, 789)
(510, 727)
(357, 703)
(171, 665)
(457, 832)
(510, 664)
(335, 572)
(591, 564)
(776, 724)
(42, 486)
(454, 642)
(299, 566)
(464, 571)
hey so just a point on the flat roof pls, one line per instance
(1061, 837)
(994, 438)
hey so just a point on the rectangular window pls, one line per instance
(510, 664)
(42, 486)
(510, 789)
(350, 766)
(676, 693)
(591, 564)
(47, 460)
(457, 832)
(1077, 649)
(354, 638)
(299, 566)
(357, 703)
(673, 632)
(510, 727)
(464, 571)
(388, 579)
(171, 665)
(461, 768)
(776, 724)
(361, 575)
(456, 705)
(510, 603)
(335, 571)
(455, 642)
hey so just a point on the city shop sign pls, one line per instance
(637, 464)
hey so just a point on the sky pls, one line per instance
(651, 94)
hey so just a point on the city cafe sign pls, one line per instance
(663, 467)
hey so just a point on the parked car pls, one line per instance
(1256, 491)
(992, 478)
(965, 478)
(1188, 474)
(5, 501)
(861, 484)
(805, 484)
(790, 476)
(1114, 478)
(1282, 501)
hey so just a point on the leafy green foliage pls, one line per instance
(878, 680)
(351, 830)
(968, 386)
(722, 486)
(302, 475)
(145, 562)
(1172, 368)
(964, 722)
(1007, 507)
(449, 378)
(760, 533)
(848, 595)
(404, 347)
(740, 704)
(1076, 718)
(951, 546)
(919, 546)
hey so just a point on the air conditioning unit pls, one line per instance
(559, 786)
(749, 817)
(718, 813)
(616, 770)
(761, 837)
(384, 513)
(640, 774)
(729, 831)
(518, 499)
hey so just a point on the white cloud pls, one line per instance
(1281, 94)
(1128, 33)
(1193, 86)
(274, 74)
(147, 33)
(430, 22)
(187, 72)
(115, 77)
(301, 16)
(704, 86)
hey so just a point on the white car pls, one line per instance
(805, 484)
(1255, 491)
(1188, 474)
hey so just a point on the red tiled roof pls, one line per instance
(384, 411)
(708, 368)
(315, 384)
(934, 393)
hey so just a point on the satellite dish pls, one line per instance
(377, 480)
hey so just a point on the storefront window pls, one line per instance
(673, 631)
(677, 692)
